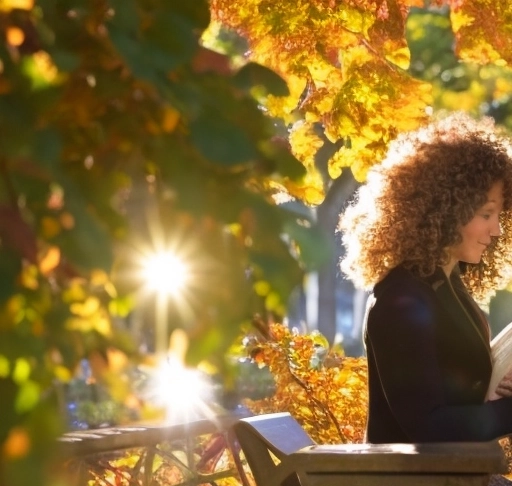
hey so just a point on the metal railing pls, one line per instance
(200, 452)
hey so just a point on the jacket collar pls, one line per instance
(455, 299)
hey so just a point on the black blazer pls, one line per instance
(429, 363)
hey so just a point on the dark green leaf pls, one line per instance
(253, 74)
(126, 16)
(315, 248)
(87, 244)
(197, 11)
(64, 60)
(47, 147)
(287, 164)
(10, 267)
(142, 60)
(174, 35)
(221, 141)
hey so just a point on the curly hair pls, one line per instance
(413, 204)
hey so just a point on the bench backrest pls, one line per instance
(266, 440)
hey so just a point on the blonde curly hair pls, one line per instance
(413, 204)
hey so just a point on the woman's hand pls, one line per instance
(504, 388)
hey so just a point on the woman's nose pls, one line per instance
(496, 229)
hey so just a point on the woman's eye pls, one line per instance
(486, 216)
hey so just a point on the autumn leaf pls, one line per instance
(483, 38)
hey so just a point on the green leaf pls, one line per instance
(278, 268)
(174, 35)
(64, 60)
(28, 396)
(287, 164)
(10, 267)
(167, 43)
(8, 392)
(47, 146)
(315, 247)
(196, 11)
(126, 16)
(144, 61)
(253, 74)
(221, 141)
(87, 244)
(16, 121)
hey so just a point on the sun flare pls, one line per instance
(165, 273)
(186, 394)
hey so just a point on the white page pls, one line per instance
(501, 352)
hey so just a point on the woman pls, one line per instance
(431, 233)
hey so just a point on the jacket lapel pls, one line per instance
(457, 303)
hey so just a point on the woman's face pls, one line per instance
(478, 233)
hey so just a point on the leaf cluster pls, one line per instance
(324, 390)
(120, 134)
(346, 65)
(353, 87)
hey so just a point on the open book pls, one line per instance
(501, 352)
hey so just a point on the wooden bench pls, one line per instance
(280, 453)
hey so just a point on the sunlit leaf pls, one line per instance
(50, 260)
(21, 371)
(11, 4)
(28, 396)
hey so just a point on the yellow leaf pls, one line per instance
(401, 57)
(45, 66)
(29, 277)
(75, 292)
(86, 308)
(97, 322)
(62, 374)
(21, 371)
(102, 325)
(79, 324)
(99, 277)
(261, 288)
(6, 5)
(50, 260)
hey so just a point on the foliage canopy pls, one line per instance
(348, 67)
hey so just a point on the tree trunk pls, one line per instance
(328, 214)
